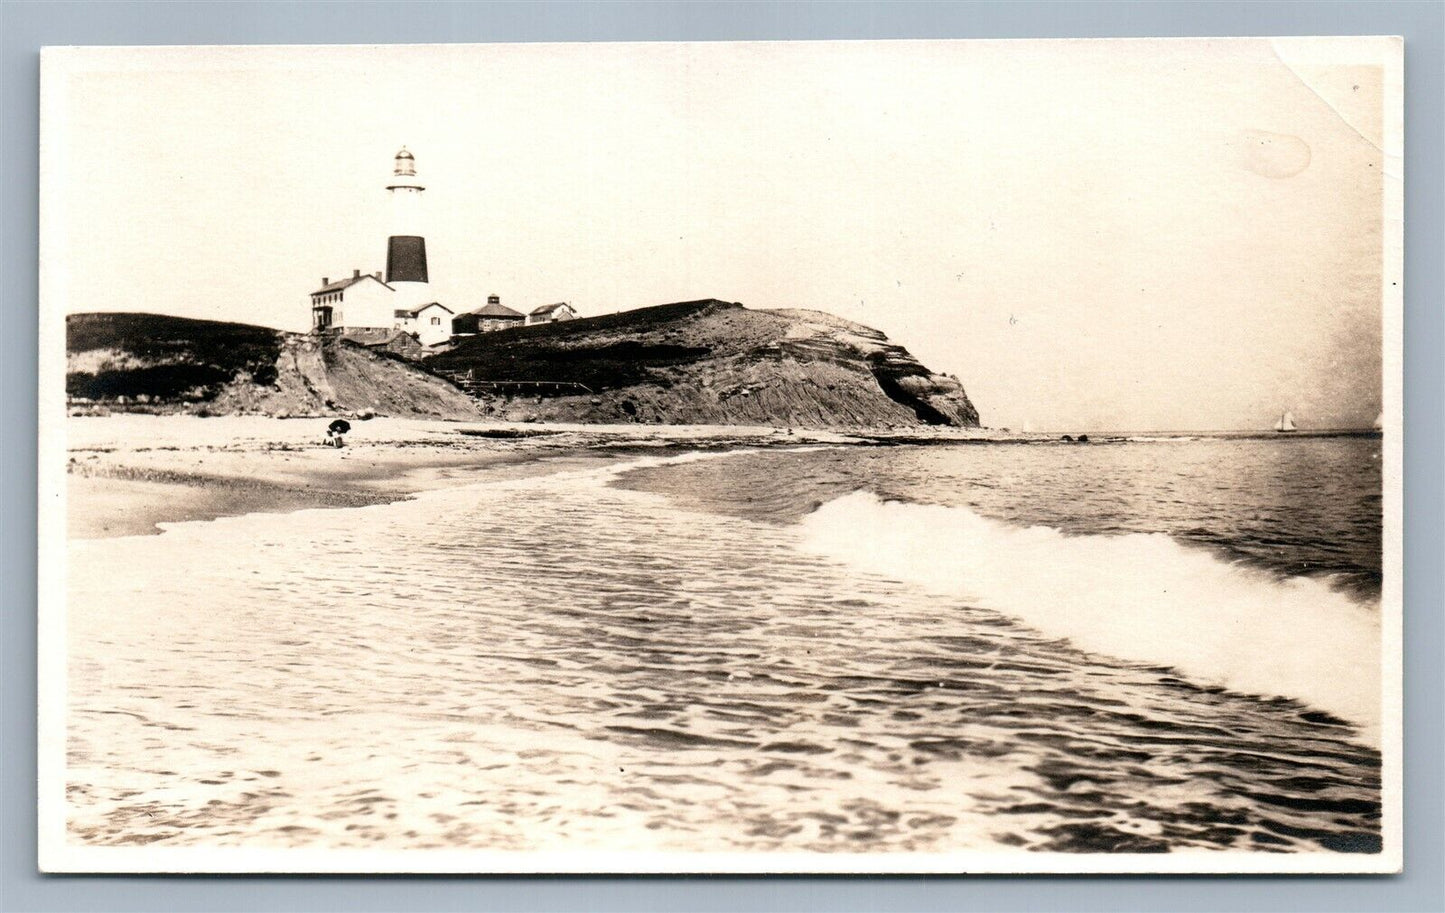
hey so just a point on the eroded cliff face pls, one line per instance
(710, 362)
(698, 362)
(936, 399)
(316, 377)
(157, 363)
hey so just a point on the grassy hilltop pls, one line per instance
(157, 363)
(712, 362)
(164, 358)
(697, 362)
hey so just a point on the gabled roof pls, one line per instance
(549, 308)
(496, 310)
(402, 312)
(348, 282)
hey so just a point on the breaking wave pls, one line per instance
(1141, 597)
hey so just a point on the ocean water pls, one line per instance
(1144, 646)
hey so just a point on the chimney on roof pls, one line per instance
(377, 274)
(325, 280)
(494, 299)
(356, 274)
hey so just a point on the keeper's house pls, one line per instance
(361, 301)
(366, 303)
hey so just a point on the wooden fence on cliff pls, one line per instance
(469, 382)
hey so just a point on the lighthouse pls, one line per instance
(374, 311)
(406, 248)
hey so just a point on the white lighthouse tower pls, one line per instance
(372, 310)
(406, 248)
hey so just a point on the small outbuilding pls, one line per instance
(489, 318)
(551, 313)
(398, 342)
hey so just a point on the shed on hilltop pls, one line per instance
(551, 313)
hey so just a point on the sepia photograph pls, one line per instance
(931, 456)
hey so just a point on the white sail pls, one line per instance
(1380, 420)
(1285, 423)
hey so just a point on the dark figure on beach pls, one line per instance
(335, 430)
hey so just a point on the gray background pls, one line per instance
(26, 26)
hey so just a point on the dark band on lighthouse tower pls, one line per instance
(406, 248)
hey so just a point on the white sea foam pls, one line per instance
(533, 663)
(1137, 597)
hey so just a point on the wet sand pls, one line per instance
(128, 473)
(106, 506)
(129, 492)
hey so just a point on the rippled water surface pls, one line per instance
(1300, 506)
(693, 657)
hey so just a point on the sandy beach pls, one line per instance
(127, 473)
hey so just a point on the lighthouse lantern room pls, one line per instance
(406, 248)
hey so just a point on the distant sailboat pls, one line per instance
(1285, 423)
(1380, 422)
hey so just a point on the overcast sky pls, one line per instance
(1090, 235)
